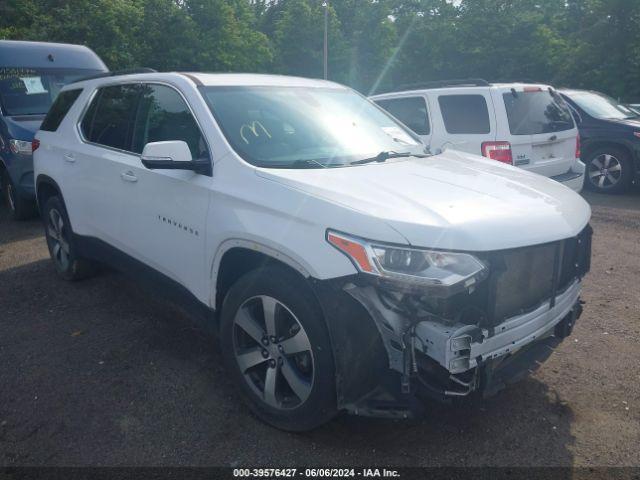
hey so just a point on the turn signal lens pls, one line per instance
(355, 251)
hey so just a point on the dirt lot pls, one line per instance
(103, 373)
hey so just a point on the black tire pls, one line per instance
(290, 290)
(597, 181)
(74, 267)
(19, 208)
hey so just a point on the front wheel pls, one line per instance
(276, 346)
(609, 170)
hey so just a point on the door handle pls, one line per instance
(128, 177)
(68, 157)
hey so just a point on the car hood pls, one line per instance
(452, 200)
(629, 122)
(23, 127)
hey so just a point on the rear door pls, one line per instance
(539, 127)
(463, 119)
(94, 197)
(412, 110)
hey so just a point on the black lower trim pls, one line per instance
(149, 278)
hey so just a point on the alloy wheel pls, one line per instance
(58, 239)
(605, 171)
(273, 352)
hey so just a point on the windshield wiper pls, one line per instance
(384, 156)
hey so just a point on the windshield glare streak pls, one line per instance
(300, 127)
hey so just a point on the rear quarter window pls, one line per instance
(412, 111)
(536, 112)
(59, 109)
(465, 114)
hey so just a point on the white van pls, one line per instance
(526, 125)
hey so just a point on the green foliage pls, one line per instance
(373, 44)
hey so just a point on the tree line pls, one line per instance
(374, 45)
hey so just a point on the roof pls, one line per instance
(213, 79)
(471, 88)
(256, 79)
(22, 54)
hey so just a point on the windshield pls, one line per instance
(298, 127)
(601, 106)
(536, 111)
(31, 91)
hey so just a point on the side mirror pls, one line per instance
(173, 155)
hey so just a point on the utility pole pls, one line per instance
(325, 4)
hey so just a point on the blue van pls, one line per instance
(31, 75)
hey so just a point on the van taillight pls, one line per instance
(34, 145)
(578, 147)
(500, 151)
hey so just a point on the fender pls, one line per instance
(254, 246)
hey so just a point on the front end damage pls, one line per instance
(394, 346)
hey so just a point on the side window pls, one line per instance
(412, 111)
(109, 119)
(466, 114)
(163, 115)
(59, 109)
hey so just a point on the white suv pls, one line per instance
(526, 125)
(343, 268)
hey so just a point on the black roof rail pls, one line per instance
(463, 82)
(115, 73)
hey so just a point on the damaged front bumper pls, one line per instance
(393, 345)
(445, 360)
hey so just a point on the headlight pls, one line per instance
(20, 146)
(446, 272)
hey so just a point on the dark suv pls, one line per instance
(610, 136)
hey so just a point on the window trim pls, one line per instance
(403, 97)
(97, 88)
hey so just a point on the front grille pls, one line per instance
(524, 278)
(520, 280)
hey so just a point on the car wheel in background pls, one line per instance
(608, 170)
(276, 346)
(61, 244)
(19, 208)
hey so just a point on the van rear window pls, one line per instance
(59, 109)
(535, 112)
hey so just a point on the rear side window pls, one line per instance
(109, 119)
(59, 109)
(465, 114)
(163, 115)
(537, 111)
(412, 111)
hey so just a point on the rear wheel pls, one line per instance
(609, 170)
(61, 244)
(276, 346)
(19, 208)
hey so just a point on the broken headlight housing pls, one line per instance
(442, 273)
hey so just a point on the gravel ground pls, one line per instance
(101, 372)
